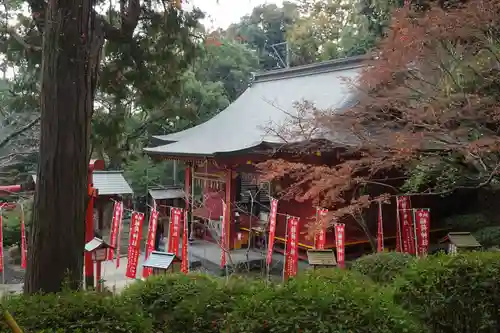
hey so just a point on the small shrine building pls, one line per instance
(221, 154)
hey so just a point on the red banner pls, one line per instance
(380, 233)
(408, 234)
(175, 230)
(134, 245)
(223, 237)
(184, 250)
(24, 247)
(150, 245)
(292, 247)
(340, 243)
(272, 230)
(119, 236)
(320, 238)
(1, 241)
(115, 223)
(422, 225)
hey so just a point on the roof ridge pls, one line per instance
(168, 187)
(315, 68)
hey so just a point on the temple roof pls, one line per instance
(269, 103)
(108, 183)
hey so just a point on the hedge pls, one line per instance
(193, 303)
(488, 236)
(468, 222)
(383, 267)
(323, 301)
(75, 312)
(453, 293)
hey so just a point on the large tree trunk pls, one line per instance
(57, 239)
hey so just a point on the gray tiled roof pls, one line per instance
(166, 193)
(269, 102)
(159, 259)
(461, 239)
(95, 244)
(109, 183)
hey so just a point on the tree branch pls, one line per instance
(38, 12)
(12, 32)
(129, 22)
(18, 132)
(130, 19)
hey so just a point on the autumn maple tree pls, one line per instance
(426, 119)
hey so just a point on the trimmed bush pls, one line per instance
(183, 303)
(489, 236)
(323, 301)
(453, 293)
(468, 222)
(75, 312)
(383, 267)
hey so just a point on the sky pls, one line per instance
(221, 13)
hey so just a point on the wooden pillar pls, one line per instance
(100, 214)
(229, 213)
(89, 234)
(187, 189)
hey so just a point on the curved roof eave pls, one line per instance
(271, 101)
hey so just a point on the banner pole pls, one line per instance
(268, 265)
(286, 246)
(417, 254)
(266, 248)
(398, 227)
(3, 256)
(269, 246)
(380, 228)
(316, 233)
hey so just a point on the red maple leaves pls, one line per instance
(431, 91)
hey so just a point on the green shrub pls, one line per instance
(488, 236)
(12, 224)
(453, 293)
(182, 303)
(323, 301)
(383, 267)
(468, 222)
(73, 312)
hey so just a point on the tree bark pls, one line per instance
(362, 223)
(57, 241)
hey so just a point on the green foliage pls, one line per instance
(70, 312)
(439, 294)
(318, 33)
(332, 29)
(141, 172)
(215, 78)
(193, 303)
(264, 27)
(180, 303)
(320, 302)
(229, 64)
(383, 267)
(12, 224)
(488, 236)
(453, 293)
(439, 174)
(468, 222)
(374, 16)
